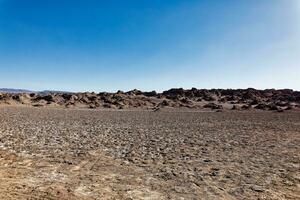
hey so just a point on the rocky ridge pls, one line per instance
(213, 99)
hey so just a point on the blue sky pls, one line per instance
(99, 45)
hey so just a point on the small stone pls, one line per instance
(257, 188)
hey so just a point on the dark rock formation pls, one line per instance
(213, 106)
(243, 99)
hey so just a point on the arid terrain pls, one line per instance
(214, 99)
(79, 153)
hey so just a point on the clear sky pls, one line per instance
(86, 45)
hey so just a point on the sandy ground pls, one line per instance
(49, 153)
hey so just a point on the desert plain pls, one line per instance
(55, 153)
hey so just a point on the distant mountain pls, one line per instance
(52, 91)
(11, 90)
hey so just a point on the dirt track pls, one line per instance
(52, 153)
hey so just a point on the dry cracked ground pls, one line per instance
(49, 153)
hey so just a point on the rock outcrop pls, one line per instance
(214, 99)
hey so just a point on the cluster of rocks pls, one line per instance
(215, 99)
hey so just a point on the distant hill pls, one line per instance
(52, 91)
(11, 90)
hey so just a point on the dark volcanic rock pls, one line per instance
(164, 103)
(150, 94)
(246, 107)
(134, 92)
(264, 106)
(174, 92)
(213, 106)
(48, 98)
(235, 107)
(270, 99)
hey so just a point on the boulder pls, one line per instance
(213, 106)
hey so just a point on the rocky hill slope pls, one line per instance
(214, 99)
